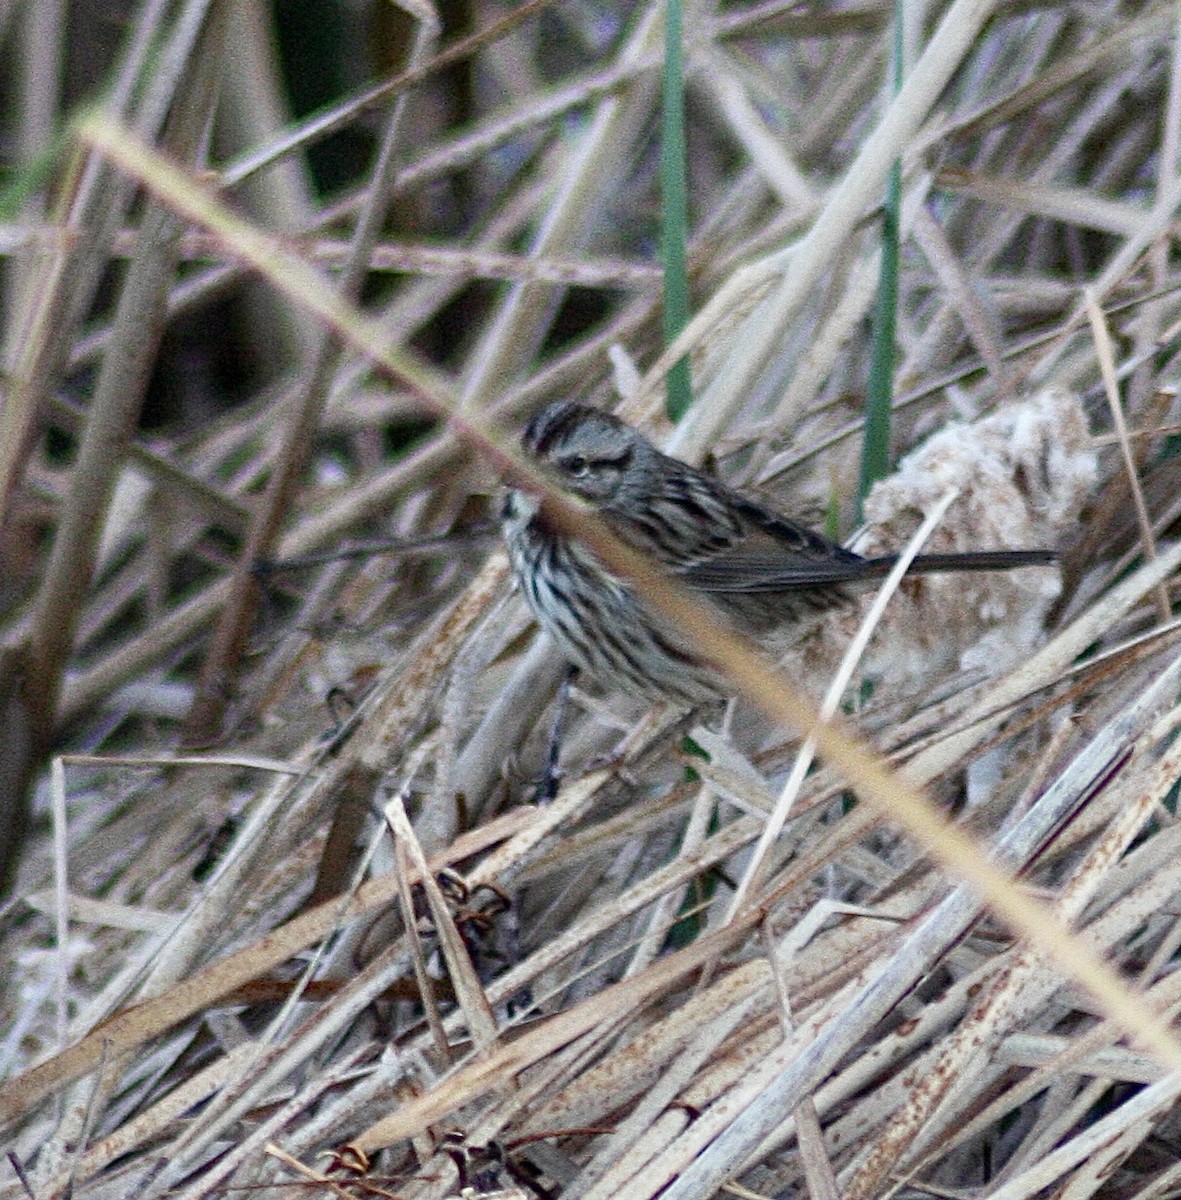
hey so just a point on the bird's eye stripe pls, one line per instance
(578, 462)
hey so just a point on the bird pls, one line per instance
(761, 573)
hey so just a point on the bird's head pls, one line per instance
(588, 452)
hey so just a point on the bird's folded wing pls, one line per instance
(753, 573)
(775, 555)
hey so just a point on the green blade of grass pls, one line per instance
(675, 210)
(875, 449)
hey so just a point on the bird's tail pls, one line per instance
(979, 560)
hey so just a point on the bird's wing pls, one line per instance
(773, 554)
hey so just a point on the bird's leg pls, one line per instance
(552, 775)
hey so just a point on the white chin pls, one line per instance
(518, 509)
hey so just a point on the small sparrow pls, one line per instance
(763, 574)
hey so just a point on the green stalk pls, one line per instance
(674, 230)
(875, 450)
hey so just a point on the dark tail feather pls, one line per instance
(981, 560)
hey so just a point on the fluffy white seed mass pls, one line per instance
(1021, 476)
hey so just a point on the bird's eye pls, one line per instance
(577, 465)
